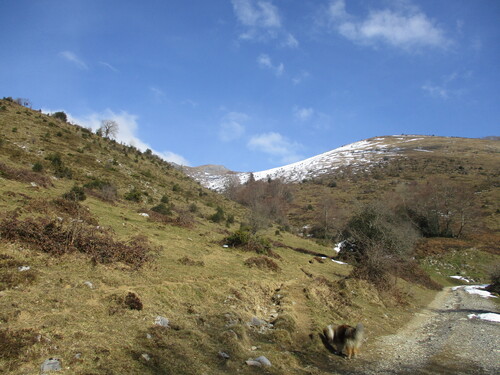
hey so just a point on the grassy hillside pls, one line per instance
(85, 280)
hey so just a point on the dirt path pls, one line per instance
(439, 340)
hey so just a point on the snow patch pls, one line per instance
(461, 278)
(491, 317)
(476, 289)
(338, 261)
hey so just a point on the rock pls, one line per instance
(257, 322)
(161, 321)
(144, 214)
(224, 355)
(253, 348)
(23, 268)
(264, 361)
(51, 364)
(251, 362)
(259, 361)
(146, 356)
(89, 284)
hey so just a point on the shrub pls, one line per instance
(76, 193)
(37, 167)
(378, 242)
(164, 199)
(238, 238)
(162, 209)
(133, 302)
(133, 195)
(102, 189)
(494, 286)
(60, 170)
(193, 208)
(242, 238)
(60, 116)
(176, 188)
(218, 216)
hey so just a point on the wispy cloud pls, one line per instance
(265, 62)
(109, 66)
(303, 114)
(449, 86)
(299, 78)
(158, 94)
(73, 58)
(436, 91)
(261, 20)
(405, 26)
(276, 145)
(127, 131)
(231, 127)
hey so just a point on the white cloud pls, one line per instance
(261, 21)
(276, 145)
(299, 78)
(264, 61)
(127, 131)
(405, 26)
(71, 57)
(231, 127)
(290, 41)
(436, 91)
(303, 114)
(262, 14)
(109, 66)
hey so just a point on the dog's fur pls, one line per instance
(345, 337)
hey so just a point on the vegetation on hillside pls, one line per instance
(114, 261)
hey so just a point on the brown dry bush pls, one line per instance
(24, 175)
(262, 263)
(184, 220)
(133, 302)
(55, 238)
(73, 209)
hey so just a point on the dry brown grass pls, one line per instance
(263, 263)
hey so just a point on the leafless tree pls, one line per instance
(108, 129)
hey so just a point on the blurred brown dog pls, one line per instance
(345, 337)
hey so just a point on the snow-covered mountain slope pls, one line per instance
(359, 155)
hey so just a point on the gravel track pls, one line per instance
(441, 339)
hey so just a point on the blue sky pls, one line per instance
(255, 84)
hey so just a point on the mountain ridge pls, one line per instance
(360, 155)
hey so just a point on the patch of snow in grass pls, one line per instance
(338, 261)
(461, 278)
(476, 289)
(491, 317)
(338, 246)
